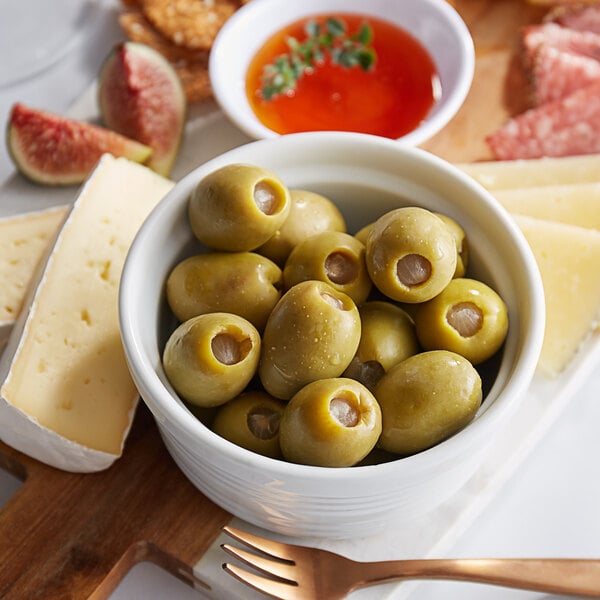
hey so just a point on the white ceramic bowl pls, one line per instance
(434, 23)
(366, 176)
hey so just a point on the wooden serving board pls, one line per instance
(499, 87)
(65, 535)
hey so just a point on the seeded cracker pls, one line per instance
(190, 23)
(191, 65)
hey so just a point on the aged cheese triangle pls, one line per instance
(67, 398)
(569, 261)
(23, 241)
(573, 204)
(507, 174)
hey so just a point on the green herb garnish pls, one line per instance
(281, 76)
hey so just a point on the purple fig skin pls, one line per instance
(140, 96)
(53, 150)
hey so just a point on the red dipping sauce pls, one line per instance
(390, 99)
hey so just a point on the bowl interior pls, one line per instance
(366, 176)
(433, 22)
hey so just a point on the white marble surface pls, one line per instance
(549, 506)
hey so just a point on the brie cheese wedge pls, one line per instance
(67, 398)
(24, 239)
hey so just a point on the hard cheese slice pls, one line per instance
(569, 261)
(67, 398)
(23, 241)
(573, 204)
(507, 174)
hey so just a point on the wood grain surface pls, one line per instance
(65, 535)
(499, 87)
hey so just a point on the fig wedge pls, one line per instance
(55, 150)
(140, 96)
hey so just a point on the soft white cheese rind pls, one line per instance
(67, 398)
(25, 434)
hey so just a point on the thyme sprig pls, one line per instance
(282, 75)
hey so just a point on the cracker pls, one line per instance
(190, 23)
(190, 65)
(195, 80)
(139, 29)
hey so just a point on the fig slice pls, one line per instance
(55, 150)
(140, 96)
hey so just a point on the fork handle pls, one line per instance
(550, 575)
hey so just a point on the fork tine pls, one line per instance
(270, 547)
(268, 566)
(271, 587)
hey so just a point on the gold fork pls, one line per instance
(301, 573)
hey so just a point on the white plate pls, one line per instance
(208, 134)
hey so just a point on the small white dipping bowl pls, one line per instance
(434, 23)
(366, 176)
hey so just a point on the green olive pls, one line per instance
(363, 233)
(333, 257)
(243, 283)
(462, 244)
(425, 399)
(238, 207)
(251, 420)
(410, 254)
(310, 213)
(330, 423)
(467, 317)
(209, 359)
(312, 333)
(387, 337)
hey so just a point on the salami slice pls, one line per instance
(566, 127)
(556, 74)
(581, 17)
(552, 35)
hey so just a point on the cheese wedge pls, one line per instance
(573, 204)
(507, 174)
(67, 398)
(569, 261)
(23, 241)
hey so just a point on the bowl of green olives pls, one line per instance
(329, 329)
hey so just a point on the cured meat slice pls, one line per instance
(581, 17)
(566, 127)
(552, 35)
(556, 73)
